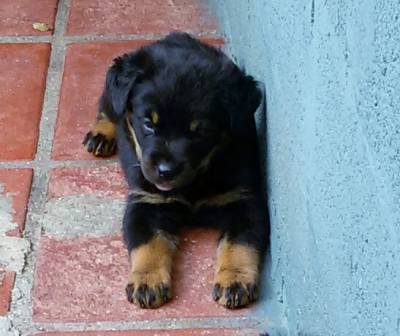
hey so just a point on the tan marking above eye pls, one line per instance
(155, 118)
(194, 125)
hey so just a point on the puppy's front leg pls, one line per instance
(237, 273)
(149, 283)
(151, 250)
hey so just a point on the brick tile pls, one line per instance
(138, 17)
(182, 332)
(23, 69)
(6, 285)
(83, 279)
(92, 199)
(15, 186)
(101, 181)
(17, 16)
(84, 74)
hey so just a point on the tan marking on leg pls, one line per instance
(149, 283)
(104, 127)
(237, 274)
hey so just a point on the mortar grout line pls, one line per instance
(21, 164)
(26, 39)
(100, 37)
(133, 37)
(21, 307)
(164, 324)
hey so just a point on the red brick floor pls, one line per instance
(94, 291)
(6, 285)
(23, 69)
(16, 184)
(138, 17)
(66, 205)
(14, 191)
(17, 16)
(87, 181)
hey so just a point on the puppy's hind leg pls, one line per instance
(101, 139)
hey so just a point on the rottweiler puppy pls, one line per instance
(181, 114)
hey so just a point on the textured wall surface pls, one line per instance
(331, 69)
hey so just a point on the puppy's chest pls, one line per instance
(208, 195)
(222, 198)
(219, 189)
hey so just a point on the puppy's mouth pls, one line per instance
(183, 179)
(160, 185)
(164, 186)
(170, 185)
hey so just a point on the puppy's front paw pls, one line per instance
(100, 141)
(232, 289)
(99, 145)
(149, 289)
(237, 274)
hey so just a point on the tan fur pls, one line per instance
(138, 149)
(236, 263)
(151, 266)
(220, 200)
(229, 197)
(155, 118)
(105, 127)
(142, 196)
(193, 125)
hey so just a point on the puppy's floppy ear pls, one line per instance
(241, 99)
(120, 80)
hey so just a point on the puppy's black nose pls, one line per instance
(168, 170)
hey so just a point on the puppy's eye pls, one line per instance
(148, 127)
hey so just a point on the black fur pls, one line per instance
(183, 80)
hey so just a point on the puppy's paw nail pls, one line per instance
(146, 296)
(217, 292)
(130, 289)
(235, 295)
(148, 289)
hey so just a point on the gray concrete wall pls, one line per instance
(332, 75)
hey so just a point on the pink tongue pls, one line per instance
(164, 186)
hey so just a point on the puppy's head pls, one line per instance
(182, 101)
